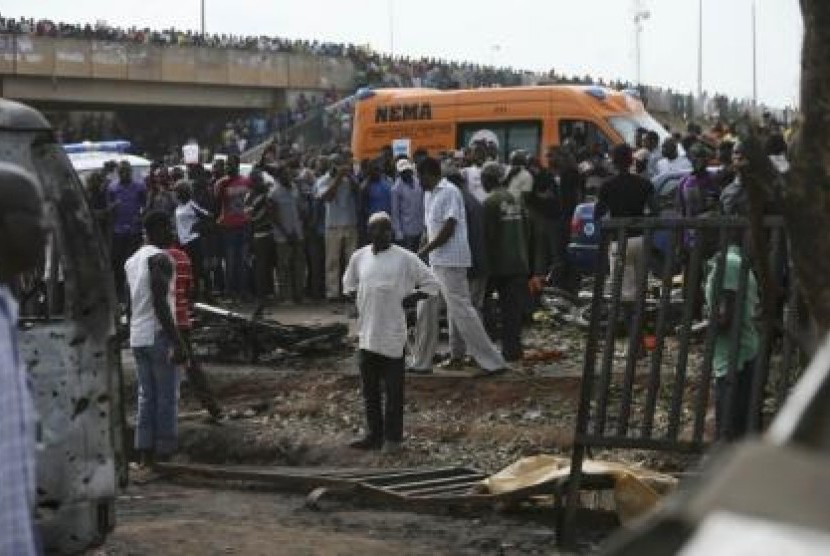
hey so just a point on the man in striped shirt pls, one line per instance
(21, 227)
(183, 288)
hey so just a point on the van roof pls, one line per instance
(15, 116)
(611, 99)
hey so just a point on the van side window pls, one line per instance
(583, 134)
(511, 136)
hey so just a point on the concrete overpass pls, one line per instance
(100, 74)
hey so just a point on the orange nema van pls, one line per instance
(529, 118)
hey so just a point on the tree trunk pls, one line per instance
(807, 195)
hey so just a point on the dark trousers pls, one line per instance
(316, 256)
(123, 247)
(236, 253)
(411, 243)
(565, 275)
(732, 403)
(384, 417)
(213, 245)
(196, 378)
(290, 270)
(547, 253)
(263, 266)
(512, 292)
(197, 265)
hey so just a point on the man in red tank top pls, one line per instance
(183, 288)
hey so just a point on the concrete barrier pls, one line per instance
(81, 58)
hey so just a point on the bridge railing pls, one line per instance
(25, 55)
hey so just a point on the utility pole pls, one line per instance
(202, 13)
(640, 15)
(494, 49)
(754, 58)
(391, 27)
(700, 49)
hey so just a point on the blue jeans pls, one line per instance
(156, 428)
(236, 253)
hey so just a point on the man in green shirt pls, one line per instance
(738, 391)
(506, 240)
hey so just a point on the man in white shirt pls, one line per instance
(156, 343)
(450, 257)
(672, 161)
(383, 276)
(472, 173)
(652, 144)
(189, 216)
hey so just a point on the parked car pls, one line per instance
(88, 157)
(585, 230)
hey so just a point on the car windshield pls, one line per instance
(628, 125)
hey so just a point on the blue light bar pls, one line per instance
(633, 93)
(596, 92)
(364, 92)
(97, 146)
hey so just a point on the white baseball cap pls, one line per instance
(403, 165)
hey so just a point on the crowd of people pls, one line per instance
(216, 132)
(384, 233)
(289, 231)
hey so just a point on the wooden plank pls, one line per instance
(367, 473)
(295, 482)
(405, 487)
(382, 480)
(464, 487)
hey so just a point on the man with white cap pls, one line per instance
(407, 207)
(384, 276)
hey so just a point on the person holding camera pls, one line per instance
(288, 236)
(339, 190)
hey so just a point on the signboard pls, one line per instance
(401, 147)
(190, 153)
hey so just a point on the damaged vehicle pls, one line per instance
(69, 348)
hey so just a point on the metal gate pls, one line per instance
(655, 395)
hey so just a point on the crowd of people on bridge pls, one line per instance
(384, 70)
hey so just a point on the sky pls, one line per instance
(593, 37)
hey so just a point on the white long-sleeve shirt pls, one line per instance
(382, 281)
(17, 439)
(679, 164)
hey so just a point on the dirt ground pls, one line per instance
(163, 519)
(304, 411)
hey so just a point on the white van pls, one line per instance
(88, 157)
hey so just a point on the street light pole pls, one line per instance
(202, 13)
(391, 28)
(754, 58)
(493, 50)
(700, 49)
(640, 15)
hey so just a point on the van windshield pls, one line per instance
(628, 125)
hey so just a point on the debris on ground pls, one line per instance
(636, 490)
(222, 335)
